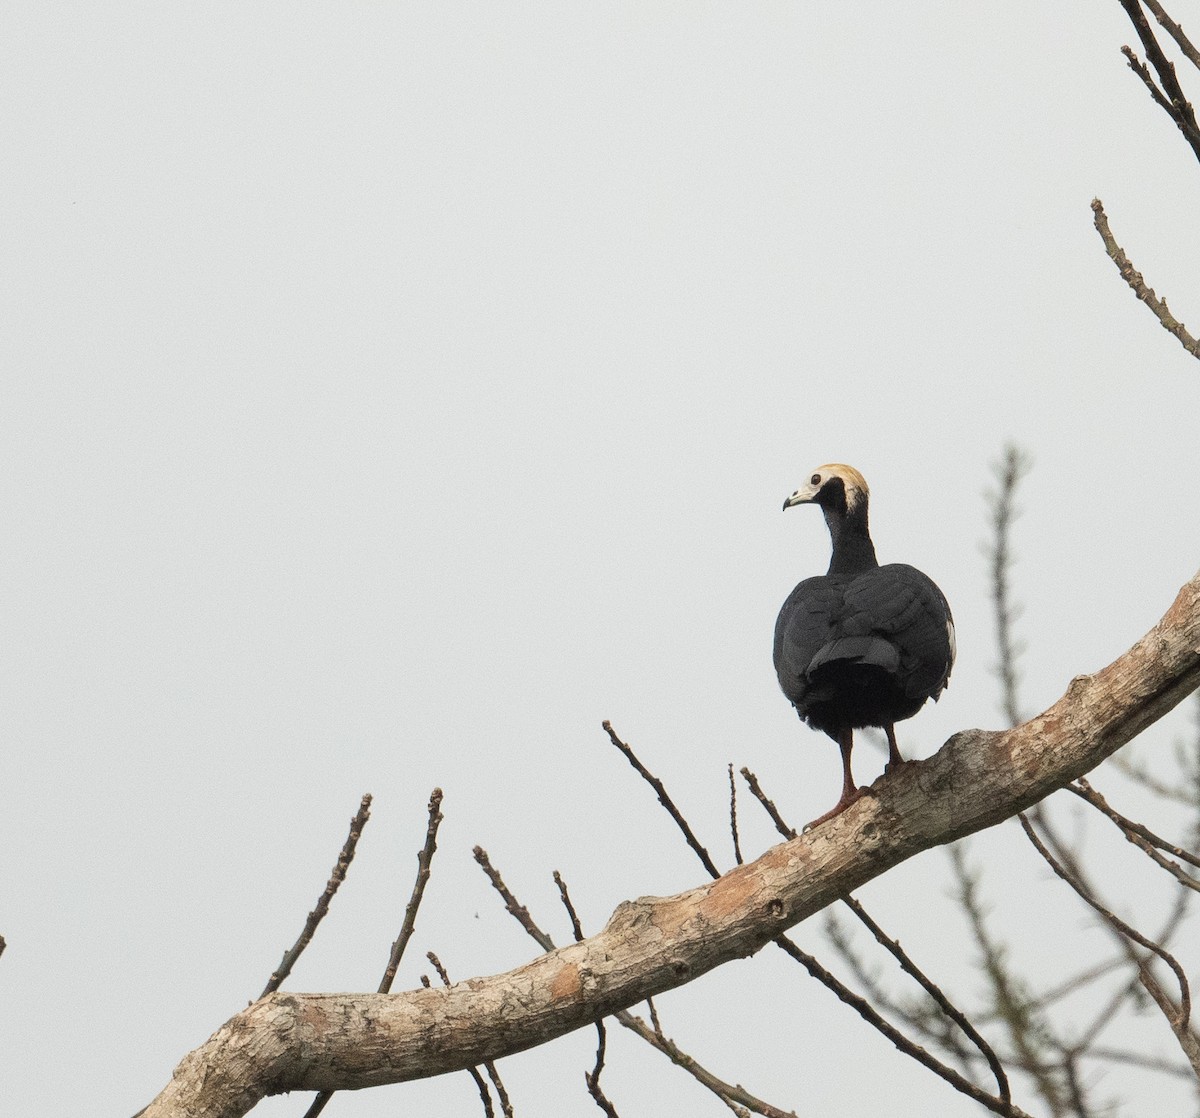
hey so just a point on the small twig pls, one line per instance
(864, 1009)
(1143, 72)
(514, 907)
(493, 1075)
(1009, 472)
(733, 826)
(485, 1095)
(935, 992)
(322, 906)
(654, 1016)
(576, 927)
(726, 1092)
(1175, 31)
(1016, 1012)
(663, 798)
(768, 805)
(1134, 278)
(1178, 107)
(1083, 789)
(424, 858)
(1180, 1016)
(1004, 1101)
(592, 1078)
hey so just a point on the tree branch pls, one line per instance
(1134, 278)
(311, 1042)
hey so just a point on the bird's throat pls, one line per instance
(853, 550)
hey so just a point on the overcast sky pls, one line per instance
(392, 392)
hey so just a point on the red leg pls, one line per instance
(850, 791)
(894, 759)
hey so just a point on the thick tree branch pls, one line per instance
(318, 1042)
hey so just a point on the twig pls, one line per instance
(485, 1095)
(592, 1078)
(900, 955)
(727, 1092)
(1016, 1012)
(1179, 1016)
(493, 1075)
(1141, 837)
(424, 858)
(1009, 472)
(514, 907)
(1143, 72)
(1175, 31)
(1003, 1103)
(733, 826)
(576, 927)
(322, 906)
(1084, 790)
(935, 992)
(1178, 107)
(663, 798)
(864, 1009)
(768, 805)
(1134, 278)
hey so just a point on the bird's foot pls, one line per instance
(847, 799)
(898, 763)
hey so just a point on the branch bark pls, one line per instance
(324, 1042)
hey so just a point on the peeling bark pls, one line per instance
(313, 1042)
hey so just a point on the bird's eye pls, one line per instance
(815, 479)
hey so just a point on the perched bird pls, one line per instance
(863, 645)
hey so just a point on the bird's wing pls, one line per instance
(904, 606)
(807, 623)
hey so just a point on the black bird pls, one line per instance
(863, 645)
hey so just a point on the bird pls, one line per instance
(863, 644)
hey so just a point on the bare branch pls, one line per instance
(1141, 837)
(485, 1095)
(978, 778)
(733, 826)
(424, 859)
(1009, 473)
(1175, 31)
(1134, 278)
(1143, 72)
(1177, 1016)
(768, 805)
(1012, 1007)
(592, 1078)
(1177, 105)
(322, 906)
(936, 993)
(663, 798)
(727, 1092)
(864, 1009)
(576, 927)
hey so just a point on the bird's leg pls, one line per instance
(850, 791)
(894, 759)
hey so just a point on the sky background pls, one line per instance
(392, 392)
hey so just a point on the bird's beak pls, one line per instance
(800, 497)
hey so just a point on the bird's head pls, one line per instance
(838, 489)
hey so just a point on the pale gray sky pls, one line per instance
(394, 391)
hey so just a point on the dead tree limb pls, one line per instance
(315, 1042)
